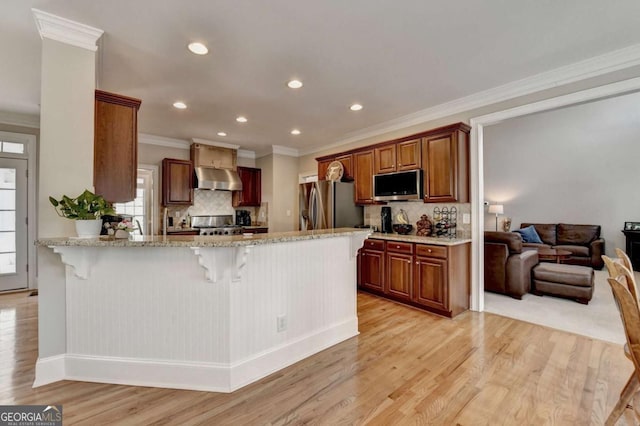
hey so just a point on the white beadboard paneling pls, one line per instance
(149, 316)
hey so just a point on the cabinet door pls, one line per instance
(214, 156)
(363, 177)
(115, 146)
(322, 169)
(399, 275)
(347, 165)
(408, 153)
(445, 161)
(177, 182)
(371, 270)
(385, 159)
(251, 194)
(439, 164)
(430, 284)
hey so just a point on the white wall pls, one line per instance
(572, 165)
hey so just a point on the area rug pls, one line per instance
(599, 319)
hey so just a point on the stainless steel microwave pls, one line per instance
(398, 186)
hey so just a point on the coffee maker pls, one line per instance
(385, 216)
(243, 218)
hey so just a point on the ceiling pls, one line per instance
(395, 58)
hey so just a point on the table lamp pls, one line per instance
(497, 209)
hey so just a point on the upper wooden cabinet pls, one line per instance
(251, 194)
(347, 165)
(363, 162)
(408, 155)
(385, 159)
(445, 161)
(398, 157)
(115, 151)
(214, 156)
(177, 182)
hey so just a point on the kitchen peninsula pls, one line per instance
(194, 312)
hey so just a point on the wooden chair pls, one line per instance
(622, 255)
(618, 268)
(630, 316)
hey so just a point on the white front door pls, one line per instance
(13, 224)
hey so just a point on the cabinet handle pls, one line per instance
(417, 262)
(429, 250)
(408, 261)
(397, 246)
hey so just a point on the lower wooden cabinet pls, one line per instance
(371, 265)
(435, 278)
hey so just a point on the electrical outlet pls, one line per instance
(288, 212)
(281, 321)
(466, 218)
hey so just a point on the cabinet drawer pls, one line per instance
(398, 247)
(431, 251)
(374, 244)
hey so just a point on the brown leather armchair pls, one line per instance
(507, 268)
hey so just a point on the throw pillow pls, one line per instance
(529, 235)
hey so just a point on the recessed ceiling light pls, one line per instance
(222, 134)
(180, 105)
(295, 84)
(241, 119)
(198, 48)
(355, 107)
(295, 132)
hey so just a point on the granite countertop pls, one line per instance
(423, 240)
(200, 241)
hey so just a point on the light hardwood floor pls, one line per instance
(405, 367)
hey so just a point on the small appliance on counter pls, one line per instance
(243, 218)
(385, 217)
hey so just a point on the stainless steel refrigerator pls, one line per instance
(328, 204)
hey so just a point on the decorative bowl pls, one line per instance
(402, 228)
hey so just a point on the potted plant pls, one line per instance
(86, 209)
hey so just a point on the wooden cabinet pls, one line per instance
(371, 266)
(322, 168)
(363, 167)
(429, 276)
(251, 194)
(177, 182)
(445, 161)
(115, 147)
(408, 155)
(214, 156)
(384, 159)
(399, 264)
(430, 285)
(347, 165)
(398, 157)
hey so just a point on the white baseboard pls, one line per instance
(49, 370)
(213, 377)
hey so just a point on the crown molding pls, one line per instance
(578, 71)
(215, 143)
(148, 139)
(284, 150)
(66, 31)
(18, 119)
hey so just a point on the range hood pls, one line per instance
(219, 179)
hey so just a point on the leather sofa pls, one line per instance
(507, 268)
(583, 241)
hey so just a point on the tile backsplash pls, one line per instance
(415, 209)
(207, 203)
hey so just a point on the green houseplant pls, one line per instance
(86, 209)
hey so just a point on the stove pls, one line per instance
(216, 225)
